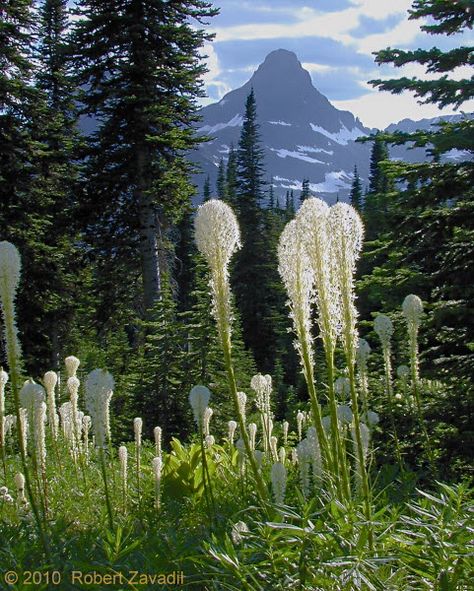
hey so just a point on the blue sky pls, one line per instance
(334, 39)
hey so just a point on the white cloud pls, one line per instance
(379, 109)
(211, 77)
(319, 68)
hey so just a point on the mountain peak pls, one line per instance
(284, 66)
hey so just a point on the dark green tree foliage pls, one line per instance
(221, 185)
(139, 66)
(431, 221)
(305, 190)
(247, 277)
(231, 177)
(356, 191)
(206, 190)
(376, 201)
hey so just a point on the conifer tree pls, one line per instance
(140, 69)
(221, 185)
(206, 190)
(231, 177)
(356, 191)
(305, 190)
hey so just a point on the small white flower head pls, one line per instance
(10, 270)
(72, 364)
(123, 459)
(217, 232)
(362, 353)
(157, 434)
(274, 447)
(304, 458)
(383, 326)
(403, 371)
(258, 383)
(73, 385)
(86, 423)
(342, 386)
(39, 421)
(299, 423)
(238, 532)
(262, 386)
(31, 394)
(282, 455)
(199, 399)
(242, 400)
(398, 396)
(313, 442)
(232, 425)
(412, 308)
(372, 418)
(3, 490)
(3, 378)
(157, 466)
(138, 429)
(252, 435)
(208, 412)
(344, 414)
(19, 480)
(259, 455)
(209, 441)
(279, 477)
(286, 426)
(50, 379)
(99, 388)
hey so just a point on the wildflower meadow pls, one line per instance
(347, 492)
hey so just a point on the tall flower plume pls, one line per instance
(10, 270)
(217, 237)
(50, 379)
(99, 391)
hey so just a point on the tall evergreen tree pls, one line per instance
(305, 190)
(140, 67)
(221, 185)
(231, 177)
(356, 191)
(206, 190)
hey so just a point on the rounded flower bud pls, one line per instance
(383, 326)
(199, 399)
(412, 308)
(279, 476)
(217, 232)
(10, 270)
(72, 363)
(363, 351)
(50, 379)
(31, 394)
(403, 371)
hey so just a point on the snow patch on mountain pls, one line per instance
(284, 123)
(283, 153)
(236, 121)
(334, 182)
(312, 149)
(343, 136)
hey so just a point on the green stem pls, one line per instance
(106, 488)
(389, 391)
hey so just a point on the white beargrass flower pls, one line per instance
(346, 232)
(23, 430)
(372, 418)
(344, 414)
(50, 380)
(157, 466)
(208, 412)
(137, 430)
(403, 371)
(240, 446)
(412, 308)
(313, 221)
(86, 425)
(199, 399)
(209, 441)
(8, 422)
(313, 442)
(39, 433)
(286, 426)
(123, 460)
(232, 425)
(262, 386)
(19, 480)
(304, 456)
(10, 270)
(299, 424)
(65, 412)
(274, 448)
(72, 364)
(279, 476)
(342, 386)
(363, 352)
(217, 237)
(258, 455)
(298, 277)
(383, 326)
(3, 381)
(73, 385)
(99, 388)
(157, 433)
(253, 435)
(294, 456)
(238, 531)
(282, 455)
(31, 394)
(242, 400)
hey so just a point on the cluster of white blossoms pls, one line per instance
(262, 386)
(50, 380)
(383, 326)
(199, 399)
(232, 426)
(99, 389)
(279, 478)
(10, 271)
(208, 412)
(217, 237)
(304, 455)
(3, 382)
